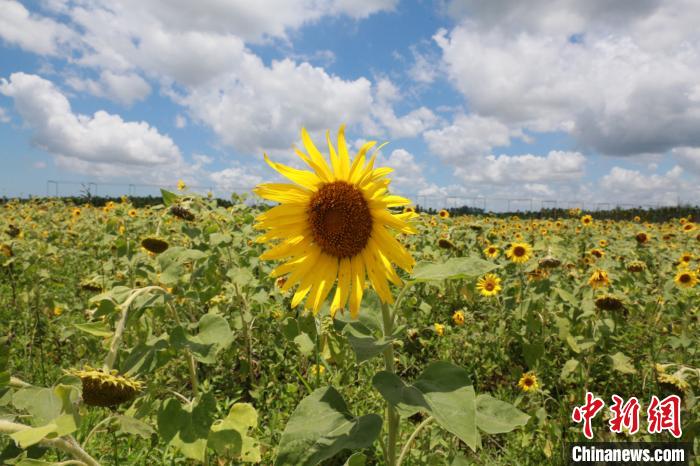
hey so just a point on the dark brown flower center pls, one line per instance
(518, 251)
(489, 286)
(528, 382)
(340, 219)
(684, 278)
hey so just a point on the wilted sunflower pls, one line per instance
(105, 389)
(686, 279)
(334, 223)
(537, 275)
(445, 243)
(489, 285)
(642, 237)
(182, 213)
(492, 252)
(528, 382)
(599, 278)
(444, 214)
(154, 245)
(519, 252)
(12, 231)
(549, 262)
(672, 383)
(609, 302)
(636, 266)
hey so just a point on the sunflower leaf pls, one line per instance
(321, 426)
(454, 268)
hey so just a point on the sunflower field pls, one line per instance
(333, 325)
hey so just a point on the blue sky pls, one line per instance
(565, 100)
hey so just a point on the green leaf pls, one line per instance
(456, 267)
(134, 426)
(363, 342)
(356, 459)
(321, 426)
(28, 437)
(498, 417)
(168, 197)
(214, 335)
(41, 403)
(305, 344)
(186, 428)
(443, 390)
(570, 366)
(229, 437)
(532, 352)
(622, 363)
(98, 329)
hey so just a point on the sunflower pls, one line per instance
(587, 220)
(316, 370)
(597, 253)
(439, 329)
(642, 237)
(537, 275)
(528, 382)
(685, 258)
(519, 252)
(444, 214)
(609, 302)
(492, 252)
(76, 212)
(334, 223)
(599, 279)
(673, 383)
(445, 243)
(132, 213)
(636, 266)
(154, 245)
(603, 243)
(549, 262)
(409, 210)
(106, 389)
(181, 186)
(458, 318)
(489, 285)
(689, 227)
(182, 213)
(686, 279)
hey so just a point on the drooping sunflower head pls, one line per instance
(537, 275)
(154, 245)
(599, 279)
(106, 389)
(686, 279)
(334, 227)
(642, 237)
(636, 266)
(519, 252)
(489, 285)
(549, 262)
(445, 243)
(182, 213)
(528, 382)
(673, 383)
(609, 302)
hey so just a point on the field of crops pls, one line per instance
(158, 336)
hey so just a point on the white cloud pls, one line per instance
(235, 179)
(180, 121)
(631, 186)
(4, 117)
(31, 32)
(689, 158)
(468, 136)
(102, 143)
(123, 88)
(39, 165)
(556, 166)
(262, 108)
(616, 88)
(409, 125)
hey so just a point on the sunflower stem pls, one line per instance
(391, 415)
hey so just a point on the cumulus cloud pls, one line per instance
(102, 143)
(556, 166)
(32, 32)
(468, 136)
(631, 186)
(410, 124)
(561, 67)
(123, 88)
(4, 117)
(235, 179)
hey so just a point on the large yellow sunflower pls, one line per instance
(334, 224)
